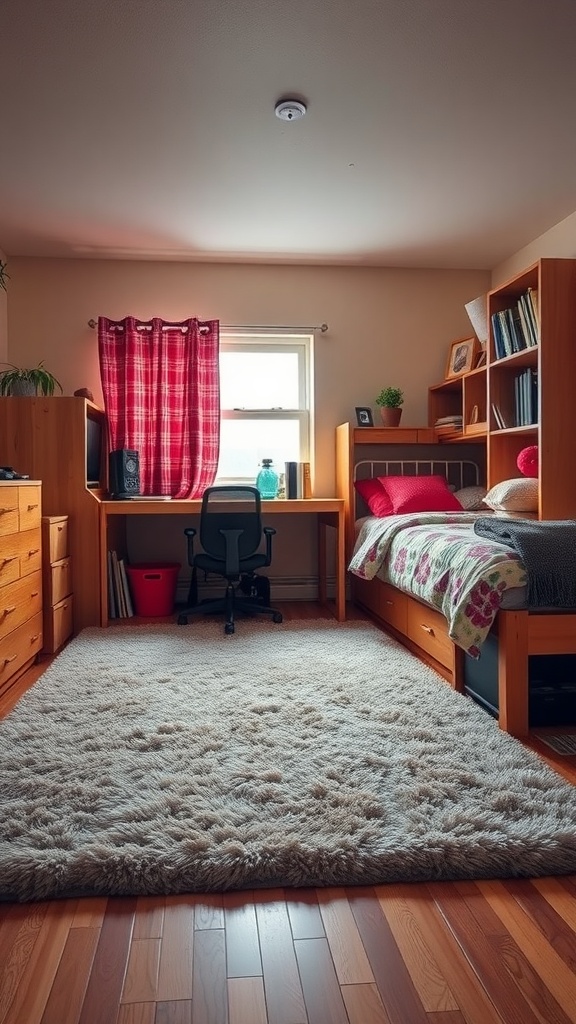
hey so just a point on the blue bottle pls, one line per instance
(267, 480)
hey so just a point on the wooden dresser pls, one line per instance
(20, 578)
(57, 571)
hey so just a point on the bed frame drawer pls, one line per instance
(393, 606)
(382, 600)
(429, 629)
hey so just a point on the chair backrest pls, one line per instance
(218, 513)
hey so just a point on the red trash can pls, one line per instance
(153, 586)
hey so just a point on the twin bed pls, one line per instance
(433, 583)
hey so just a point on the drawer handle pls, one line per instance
(60, 528)
(32, 507)
(427, 629)
(34, 638)
(388, 602)
(8, 660)
(5, 511)
(34, 593)
(8, 611)
(33, 551)
(11, 558)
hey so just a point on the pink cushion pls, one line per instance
(420, 494)
(527, 461)
(375, 496)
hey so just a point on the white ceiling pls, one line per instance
(439, 133)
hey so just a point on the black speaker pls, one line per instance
(123, 473)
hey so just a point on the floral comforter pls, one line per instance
(437, 557)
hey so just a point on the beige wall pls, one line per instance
(558, 242)
(386, 327)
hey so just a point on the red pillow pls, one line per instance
(375, 496)
(419, 494)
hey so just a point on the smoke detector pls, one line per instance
(289, 110)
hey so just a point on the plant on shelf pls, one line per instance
(390, 401)
(4, 275)
(37, 381)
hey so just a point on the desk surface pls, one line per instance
(182, 506)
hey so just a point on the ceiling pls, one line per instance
(439, 133)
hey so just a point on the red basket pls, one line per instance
(153, 586)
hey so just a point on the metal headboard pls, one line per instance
(458, 472)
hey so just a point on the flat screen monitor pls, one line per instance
(93, 452)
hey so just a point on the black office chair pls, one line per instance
(230, 538)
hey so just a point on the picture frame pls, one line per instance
(461, 357)
(481, 359)
(364, 416)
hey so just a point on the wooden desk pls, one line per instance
(329, 513)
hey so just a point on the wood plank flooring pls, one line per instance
(440, 953)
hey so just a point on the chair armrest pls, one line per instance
(268, 532)
(190, 533)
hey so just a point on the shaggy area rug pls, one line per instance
(164, 759)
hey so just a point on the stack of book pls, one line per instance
(516, 328)
(526, 398)
(120, 604)
(448, 424)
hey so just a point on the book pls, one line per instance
(126, 589)
(500, 422)
(120, 603)
(112, 609)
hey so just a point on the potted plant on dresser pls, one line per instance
(28, 383)
(390, 401)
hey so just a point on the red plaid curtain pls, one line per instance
(161, 390)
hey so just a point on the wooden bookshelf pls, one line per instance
(464, 396)
(553, 361)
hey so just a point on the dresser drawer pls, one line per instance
(20, 555)
(19, 647)
(58, 581)
(29, 507)
(429, 629)
(8, 510)
(19, 601)
(57, 625)
(54, 538)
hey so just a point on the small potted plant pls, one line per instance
(390, 401)
(26, 383)
(4, 275)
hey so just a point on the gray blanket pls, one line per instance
(548, 552)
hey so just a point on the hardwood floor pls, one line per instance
(440, 953)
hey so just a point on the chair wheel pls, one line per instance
(229, 627)
(277, 617)
(182, 620)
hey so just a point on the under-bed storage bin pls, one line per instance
(551, 684)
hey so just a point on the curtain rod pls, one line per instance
(245, 327)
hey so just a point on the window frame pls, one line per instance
(302, 344)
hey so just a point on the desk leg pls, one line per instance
(337, 522)
(103, 568)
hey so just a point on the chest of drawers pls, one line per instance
(57, 570)
(20, 578)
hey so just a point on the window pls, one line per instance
(265, 401)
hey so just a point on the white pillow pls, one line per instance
(518, 495)
(472, 498)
